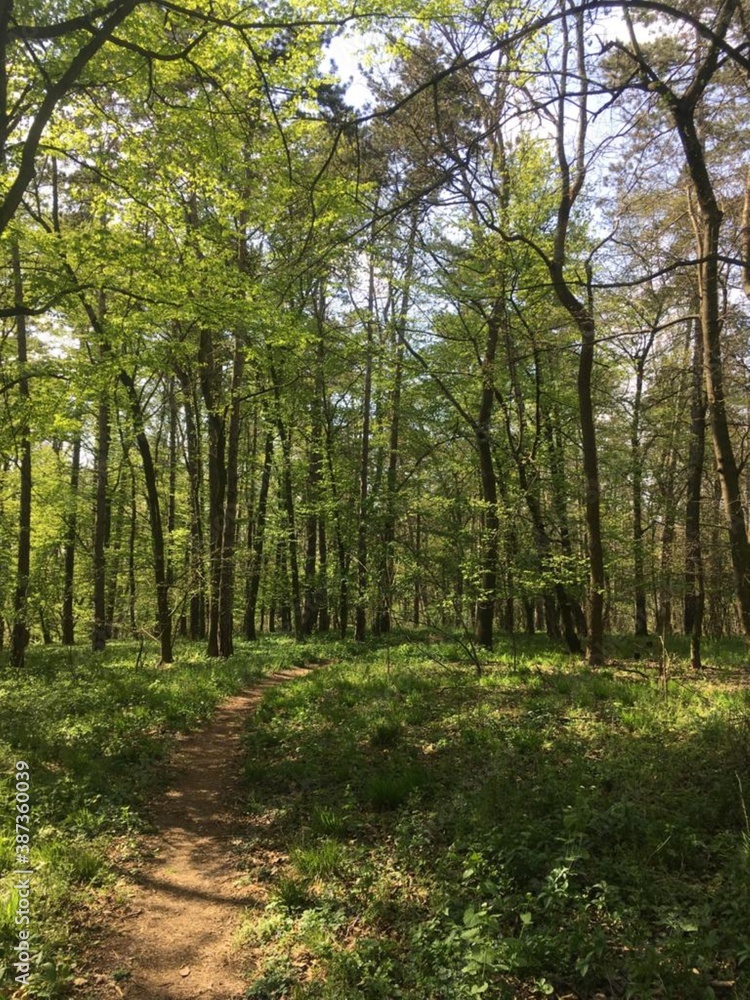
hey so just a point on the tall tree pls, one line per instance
(20, 632)
(684, 99)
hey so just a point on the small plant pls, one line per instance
(388, 790)
(319, 861)
(50, 980)
(275, 983)
(292, 894)
(74, 862)
(329, 821)
(387, 733)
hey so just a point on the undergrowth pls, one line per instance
(94, 730)
(544, 830)
(418, 832)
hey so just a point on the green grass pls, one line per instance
(95, 730)
(545, 830)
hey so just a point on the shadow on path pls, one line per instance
(173, 942)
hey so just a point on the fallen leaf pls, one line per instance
(185, 971)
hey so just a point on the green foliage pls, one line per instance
(95, 731)
(292, 894)
(319, 861)
(542, 831)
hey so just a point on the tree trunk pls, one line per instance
(556, 458)
(194, 467)
(229, 533)
(717, 619)
(255, 541)
(131, 554)
(360, 615)
(163, 616)
(314, 481)
(694, 577)
(172, 497)
(665, 616)
(707, 220)
(114, 571)
(597, 586)
(101, 518)
(582, 315)
(324, 615)
(20, 633)
(417, 599)
(490, 521)
(68, 610)
(287, 500)
(342, 555)
(388, 554)
(639, 577)
(217, 480)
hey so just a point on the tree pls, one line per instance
(684, 98)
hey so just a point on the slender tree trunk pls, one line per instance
(745, 236)
(343, 594)
(194, 467)
(665, 618)
(314, 483)
(489, 544)
(707, 220)
(485, 611)
(217, 481)
(342, 555)
(636, 452)
(68, 608)
(119, 518)
(287, 500)
(256, 539)
(716, 571)
(6, 13)
(172, 496)
(388, 556)
(694, 577)
(582, 315)
(102, 508)
(417, 600)
(5, 573)
(360, 616)
(44, 627)
(282, 583)
(20, 634)
(597, 586)
(229, 535)
(163, 615)
(559, 490)
(324, 615)
(131, 553)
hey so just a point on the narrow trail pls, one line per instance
(173, 942)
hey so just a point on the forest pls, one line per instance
(471, 353)
(409, 344)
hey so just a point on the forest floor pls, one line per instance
(397, 826)
(173, 938)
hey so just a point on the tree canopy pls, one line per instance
(271, 360)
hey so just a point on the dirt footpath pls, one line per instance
(173, 940)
